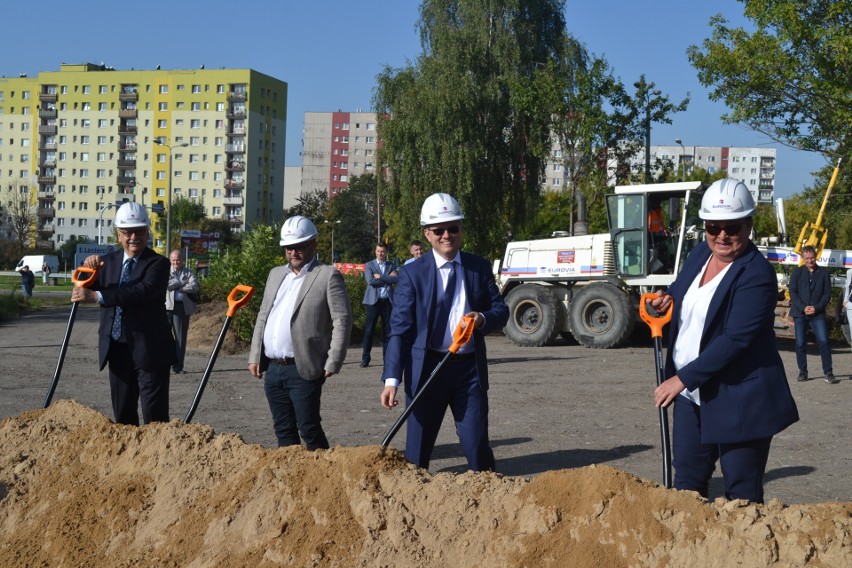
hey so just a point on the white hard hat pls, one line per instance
(440, 208)
(131, 215)
(726, 199)
(297, 230)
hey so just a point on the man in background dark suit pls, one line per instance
(381, 275)
(134, 335)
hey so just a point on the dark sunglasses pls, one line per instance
(452, 229)
(297, 248)
(730, 228)
(130, 232)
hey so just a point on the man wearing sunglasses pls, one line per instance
(300, 336)
(433, 293)
(135, 336)
(725, 376)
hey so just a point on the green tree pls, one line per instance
(471, 117)
(789, 79)
(19, 214)
(354, 216)
(311, 205)
(186, 214)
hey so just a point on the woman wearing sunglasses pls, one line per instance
(726, 378)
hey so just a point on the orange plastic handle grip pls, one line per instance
(79, 281)
(655, 323)
(462, 334)
(235, 303)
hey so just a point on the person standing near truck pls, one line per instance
(27, 281)
(45, 274)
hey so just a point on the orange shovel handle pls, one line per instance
(235, 303)
(656, 323)
(79, 281)
(462, 333)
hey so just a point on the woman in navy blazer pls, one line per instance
(726, 377)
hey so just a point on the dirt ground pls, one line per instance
(76, 487)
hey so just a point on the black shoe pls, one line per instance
(365, 363)
(803, 376)
(829, 378)
(178, 371)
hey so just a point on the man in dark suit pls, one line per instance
(134, 335)
(432, 295)
(380, 275)
(810, 291)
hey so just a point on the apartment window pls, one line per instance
(220, 89)
(84, 139)
(102, 139)
(164, 106)
(180, 88)
(162, 123)
(193, 192)
(217, 211)
(195, 123)
(217, 193)
(87, 89)
(101, 173)
(370, 139)
(64, 89)
(345, 126)
(179, 122)
(102, 89)
(371, 126)
(194, 159)
(219, 141)
(84, 172)
(193, 176)
(344, 178)
(85, 123)
(195, 107)
(164, 89)
(62, 156)
(194, 140)
(220, 107)
(102, 156)
(196, 89)
(84, 156)
(87, 106)
(102, 106)
(217, 176)
(161, 175)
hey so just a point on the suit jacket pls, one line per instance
(802, 295)
(414, 309)
(743, 388)
(185, 281)
(321, 324)
(374, 285)
(146, 327)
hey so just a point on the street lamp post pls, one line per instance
(679, 142)
(159, 142)
(332, 238)
(645, 90)
(101, 222)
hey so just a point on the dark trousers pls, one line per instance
(743, 464)
(295, 406)
(820, 329)
(381, 309)
(180, 327)
(129, 386)
(456, 386)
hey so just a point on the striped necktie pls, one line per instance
(115, 333)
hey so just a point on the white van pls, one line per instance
(36, 261)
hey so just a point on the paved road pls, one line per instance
(556, 407)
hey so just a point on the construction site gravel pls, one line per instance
(574, 431)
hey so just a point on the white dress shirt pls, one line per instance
(277, 341)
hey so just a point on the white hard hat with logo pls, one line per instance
(726, 199)
(131, 215)
(297, 230)
(440, 208)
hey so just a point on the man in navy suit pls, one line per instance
(432, 295)
(380, 275)
(726, 379)
(135, 336)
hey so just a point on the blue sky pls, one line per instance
(330, 51)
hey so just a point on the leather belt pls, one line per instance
(284, 361)
(457, 356)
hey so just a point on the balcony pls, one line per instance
(123, 164)
(45, 212)
(49, 163)
(47, 130)
(128, 96)
(237, 132)
(235, 219)
(235, 166)
(48, 97)
(46, 145)
(125, 130)
(125, 181)
(127, 113)
(234, 184)
(47, 228)
(233, 200)
(46, 194)
(47, 113)
(236, 97)
(127, 146)
(47, 180)
(235, 148)
(236, 114)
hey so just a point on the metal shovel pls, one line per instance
(460, 337)
(657, 323)
(79, 282)
(234, 304)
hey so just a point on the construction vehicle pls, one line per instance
(587, 287)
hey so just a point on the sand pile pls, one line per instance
(77, 490)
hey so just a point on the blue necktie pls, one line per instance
(442, 314)
(125, 276)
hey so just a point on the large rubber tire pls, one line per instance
(535, 316)
(601, 316)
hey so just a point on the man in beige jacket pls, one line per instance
(301, 336)
(181, 302)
